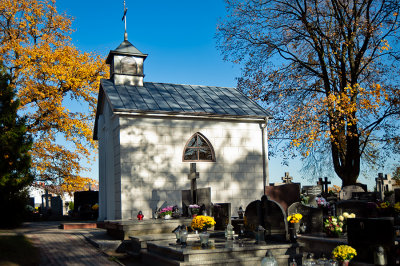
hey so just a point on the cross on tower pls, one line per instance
(287, 179)
(192, 176)
(124, 19)
(324, 184)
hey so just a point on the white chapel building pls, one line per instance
(148, 134)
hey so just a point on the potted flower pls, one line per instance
(293, 219)
(384, 208)
(166, 212)
(343, 218)
(333, 226)
(202, 223)
(194, 209)
(344, 254)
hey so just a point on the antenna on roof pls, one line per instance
(124, 19)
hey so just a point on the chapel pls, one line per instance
(150, 133)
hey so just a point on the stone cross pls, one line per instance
(192, 176)
(287, 179)
(324, 184)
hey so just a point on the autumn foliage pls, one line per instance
(56, 84)
(327, 71)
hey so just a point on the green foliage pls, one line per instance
(15, 161)
(71, 206)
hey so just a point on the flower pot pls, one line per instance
(345, 263)
(204, 236)
(167, 217)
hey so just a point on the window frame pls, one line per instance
(209, 146)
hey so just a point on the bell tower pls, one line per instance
(126, 62)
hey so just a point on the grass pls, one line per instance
(18, 250)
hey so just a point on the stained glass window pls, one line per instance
(198, 148)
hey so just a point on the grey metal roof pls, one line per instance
(125, 48)
(184, 99)
(165, 98)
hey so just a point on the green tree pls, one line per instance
(15, 160)
(327, 71)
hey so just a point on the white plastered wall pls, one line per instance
(153, 174)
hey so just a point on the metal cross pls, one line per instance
(287, 179)
(324, 184)
(124, 19)
(192, 176)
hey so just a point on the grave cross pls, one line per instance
(287, 179)
(324, 184)
(192, 176)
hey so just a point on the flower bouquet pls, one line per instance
(294, 218)
(202, 223)
(166, 212)
(384, 208)
(344, 253)
(194, 209)
(321, 202)
(333, 226)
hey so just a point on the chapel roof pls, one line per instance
(178, 99)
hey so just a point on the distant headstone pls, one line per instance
(274, 220)
(83, 202)
(359, 208)
(312, 217)
(203, 197)
(397, 194)
(222, 215)
(32, 201)
(366, 234)
(312, 190)
(347, 192)
(56, 206)
(366, 196)
(285, 195)
(383, 184)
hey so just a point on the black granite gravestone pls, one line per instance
(274, 220)
(312, 217)
(366, 234)
(359, 208)
(222, 215)
(253, 215)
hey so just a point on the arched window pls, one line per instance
(129, 66)
(198, 148)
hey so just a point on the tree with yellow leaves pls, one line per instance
(47, 72)
(327, 71)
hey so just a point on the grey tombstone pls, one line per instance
(347, 192)
(312, 190)
(222, 215)
(312, 217)
(366, 196)
(359, 208)
(274, 220)
(203, 197)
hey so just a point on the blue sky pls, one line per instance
(178, 37)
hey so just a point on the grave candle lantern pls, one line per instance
(140, 216)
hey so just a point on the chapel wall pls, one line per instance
(153, 174)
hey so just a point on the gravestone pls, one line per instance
(56, 206)
(203, 197)
(83, 202)
(312, 217)
(285, 195)
(366, 196)
(383, 184)
(274, 220)
(397, 194)
(366, 234)
(312, 190)
(347, 192)
(359, 208)
(253, 215)
(222, 215)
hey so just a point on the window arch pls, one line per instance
(198, 148)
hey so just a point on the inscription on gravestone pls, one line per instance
(312, 190)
